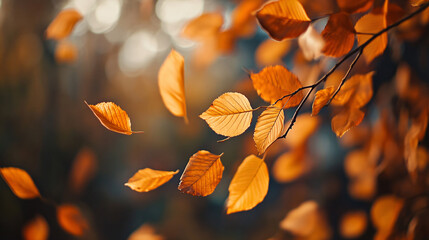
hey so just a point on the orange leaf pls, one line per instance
(36, 229)
(270, 52)
(363, 89)
(385, 211)
(243, 20)
(71, 219)
(83, 169)
(321, 99)
(112, 117)
(302, 220)
(229, 115)
(302, 129)
(202, 174)
(65, 52)
(145, 232)
(353, 224)
(171, 84)
(148, 179)
(289, 166)
(63, 24)
(339, 35)
(363, 187)
(20, 182)
(274, 82)
(203, 27)
(248, 186)
(268, 128)
(357, 163)
(355, 6)
(283, 19)
(345, 120)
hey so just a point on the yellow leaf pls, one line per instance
(274, 82)
(384, 212)
(339, 35)
(36, 229)
(283, 19)
(289, 166)
(353, 224)
(20, 182)
(372, 23)
(345, 120)
(229, 115)
(171, 84)
(355, 6)
(112, 117)
(268, 128)
(71, 219)
(302, 220)
(203, 27)
(248, 186)
(270, 52)
(321, 99)
(148, 179)
(202, 174)
(63, 24)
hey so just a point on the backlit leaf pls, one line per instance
(63, 24)
(171, 84)
(322, 97)
(268, 128)
(20, 182)
(302, 220)
(339, 35)
(248, 186)
(203, 27)
(36, 229)
(202, 174)
(274, 82)
(355, 6)
(148, 179)
(353, 224)
(112, 117)
(283, 19)
(345, 120)
(71, 219)
(229, 115)
(363, 89)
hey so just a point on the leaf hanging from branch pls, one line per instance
(148, 179)
(202, 174)
(112, 117)
(322, 97)
(339, 35)
(268, 128)
(63, 24)
(345, 120)
(355, 6)
(20, 182)
(248, 186)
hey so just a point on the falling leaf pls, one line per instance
(171, 84)
(353, 224)
(355, 6)
(311, 44)
(63, 24)
(321, 99)
(302, 220)
(345, 120)
(36, 229)
(145, 232)
(384, 212)
(274, 82)
(112, 117)
(229, 115)
(283, 19)
(289, 166)
(20, 182)
(304, 126)
(268, 128)
(339, 35)
(148, 179)
(71, 219)
(82, 170)
(248, 186)
(66, 52)
(270, 52)
(202, 174)
(203, 27)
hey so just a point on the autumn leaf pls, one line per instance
(229, 115)
(71, 219)
(363, 187)
(355, 6)
(248, 186)
(148, 179)
(311, 44)
(270, 52)
(345, 120)
(304, 126)
(384, 212)
(321, 99)
(362, 85)
(82, 170)
(202, 174)
(242, 18)
(66, 52)
(289, 166)
(302, 220)
(353, 224)
(20, 182)
(112, 117)
(36, 229)
(283, 19)
(203, 27)
(339, 35)
(171, 84)
(274, 82)
(145, 232)
(63, 24)
(268, 128)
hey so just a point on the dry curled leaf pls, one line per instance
(355, 6)
(171, 84)
(202, 174)
(302, 220)
(248, 186)
(353, 224)
(71, 219)
(274, 82)
(112, 117)
(20, 182)
(283, 19)
(345, 120)
(63, 24)
(321, 99)
(148, 179)
(268, 128)
(229, 115)
(36, 229)
(203, 27)
(339, 35)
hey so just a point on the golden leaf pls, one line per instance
(355, 6)
(171, 84)
(321, 99)
(283, 19)
(353, 224)
(274, 82)
(268, 128)
(202, 174)
(363, 89)
(339, 35)
(385, 211)
(63, 24)
(289, 166)
(203, 27)
(71, 219)
(112, 117)
(20, 182)
(302, 220)
(65, 52)
(36, 229)
(345, 120)
(83, 169)
(229, 115)
(148, 179)
(248, 186)
(270, 52)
